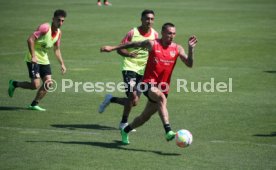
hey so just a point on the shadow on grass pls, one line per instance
(272, 134)
(84, 126)
(270, 71)
(114, 145)
(12, 108)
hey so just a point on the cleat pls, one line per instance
(107, 4)
(124, 135)
(11, 88)
(36, 108)
(105, 103)
(123, 125)
(170, 135)
(99, 3)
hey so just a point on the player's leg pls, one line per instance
(149, 110)
(99, 3)
(133, 95)
(131, 101)
(34, 76)
(161, 99)
(33, 85)
(124, 101)
(111, 99)
(105, 103)
(107, 3)
(156, 95)
(45, 72)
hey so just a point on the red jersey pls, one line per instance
(160, 65)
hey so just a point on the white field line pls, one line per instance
(48, 130)
(243, 143)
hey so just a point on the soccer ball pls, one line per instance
(183, 138)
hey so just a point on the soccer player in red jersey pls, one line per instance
(163, 54)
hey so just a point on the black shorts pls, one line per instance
(129, 78)
(146, 91)
(38, 70)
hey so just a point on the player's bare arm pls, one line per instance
(59, 58)
(126, 53)
(144, 44)
(31, 44)
(188, 59)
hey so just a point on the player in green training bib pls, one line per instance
(133, 66)
(46, 36)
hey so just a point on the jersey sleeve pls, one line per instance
(128, 37)
(41, 30)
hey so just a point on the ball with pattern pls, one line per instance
(183, 138)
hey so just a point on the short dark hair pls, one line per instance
(147, 11)
(168, 24)
(60, 12)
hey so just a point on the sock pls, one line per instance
(34, 103)
(14, 83)
(167, 128)
(124, 119)
(127, 129)
(113, 99)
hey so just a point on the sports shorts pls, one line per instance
(131, 79)
(38, 70)
(146, 91)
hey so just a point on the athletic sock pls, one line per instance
(113, 99)
(124, 119)
(14, 83)
(127, 129)
(167, 128)
(34, 103)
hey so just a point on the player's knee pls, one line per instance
(162, 99)
(135, 102)
(133, 99)
(48, 84)
(35, 86)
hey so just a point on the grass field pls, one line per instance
(232, 130)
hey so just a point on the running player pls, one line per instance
(133, 66)
(46, 36)
(163, 54)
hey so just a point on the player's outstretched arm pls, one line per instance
(126, 53)
(188, 59)
(144, 44)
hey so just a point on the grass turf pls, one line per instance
(231, 130)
